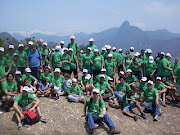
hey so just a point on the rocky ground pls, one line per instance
(64, 118)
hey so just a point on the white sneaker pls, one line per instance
(156, 118)
(19, 126)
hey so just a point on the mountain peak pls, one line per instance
(125, 25)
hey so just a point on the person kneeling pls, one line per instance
(97, 113)
(127, 106)
(26, 101)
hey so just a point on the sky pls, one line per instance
(66, 17)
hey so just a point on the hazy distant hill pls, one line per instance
(8, 39)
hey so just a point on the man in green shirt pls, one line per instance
(91, 45)
(26, 101)
(177, 80)
(132, 52)
(97, 113)
(56, 58)
(29, 47)
(32, 80)
(110, 66)
(120, 57)
(3, 64)
(151, 95)
(45, 53)
(10, 53)
(40, 46)
(103, 71)
(75, 92)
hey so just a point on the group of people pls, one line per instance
(124, 80)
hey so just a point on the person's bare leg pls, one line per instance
(39, 111)
(129, 114)
(17, 117)
(7, 100)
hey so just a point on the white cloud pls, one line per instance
(140, 25)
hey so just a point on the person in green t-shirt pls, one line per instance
(132, 52)
(3, 64)
(120, 75)
(75, 92)
(29, 47)
(44, 53)
(32, 80)
(103, 71)
(121, 88)
(40, 46)
(26, 101)
(120, 58)
(110, 66)
(103, 51)
(11, 63)
(9, 90)
(142, 87)
(91, 45)
(97, 113)
(161, 89)
(74, 67)
(127, 106)
(175, 65)
(66, 62)
(126, 61)
(47, 74)
(151, 95)
(177, 80)
(82, 79)
(57, 82)
(10, 53)
(56, 58)
(87, 85)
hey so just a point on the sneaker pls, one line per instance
(114, 131)
(42, 119)
(143, 115)
(82, 100)
(156, 118)
(19, 126)
(135, 118)
(57, 97)
(94, 132)
(6, 109)
(1, 112)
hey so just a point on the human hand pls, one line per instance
(101, 115)
(22, 116)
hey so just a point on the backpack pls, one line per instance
(30, 117)
(91, 103)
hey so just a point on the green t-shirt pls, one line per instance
(75, 48)
(13, 67)
(151, 94)
(56, 59)
(3, 64)
(66, 65)
(121, 57)
(24, 101)
(149, 68)
(57, 81)
(132, 54)
(106, 55)
(127, 63)
(98, 78)
(125, 102)
(86, 61)
(30, 78)
(44, 53)
(73, 62)
(93, 47)
(134, 65)
(167, 83)
(40, 48)
(122, 87)
(74, 90)
(159, 65)
(142, 87)
(9, 56)
(163, 71)
(97, 62)
(21, 61)
(175, 66)
(9, 87)
(102, 87)
(160, 86)
(27, 50)
(84, 81)
(94, 107)
(48, 77)
(109, 66)
(130, 79)
(177, 72)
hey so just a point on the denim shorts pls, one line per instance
(178, 88)
(129, 107)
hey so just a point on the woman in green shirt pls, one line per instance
(47, 74)
(126, 61)
(66, 62)
(87, 60)
(44, 54)
(110, 66)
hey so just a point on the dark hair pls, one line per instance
(9, 74)
(26, 80)
(44, 80)
(122, 77)
(129, 92)
(127, 52)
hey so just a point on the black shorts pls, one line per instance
(74, 71)
(65, 71)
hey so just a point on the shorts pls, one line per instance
(65, 71)
(74, 71)
(11, 100)
(25, 107)
(129, 107)
(178, 88)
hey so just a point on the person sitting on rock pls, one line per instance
(97, 113)
(74, 92)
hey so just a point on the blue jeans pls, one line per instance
(152, 108)
(36, 71)
(94, 117)
(129, 107)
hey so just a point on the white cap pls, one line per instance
(96, 90)
(89, 48)
(62, 42)
(150, 82)
(129, 70)
(70, 49)
(72, 37)
(18, 72)
(103, 69)
(88, 76)
(74, 80)
(15, 54)
(131, 48)
(109, 78)
(85, 70)
(65, 49)
(162, 53)
(120, 50)
(11, 46)
(45, 44)
(102, 76)
(103, 49)
(26, 88)
(136, 54)
(21, 45)
(1, 49)
(114, 48)
(91, 39)
(149, 51)
(96, 50)
(158, 78)
(110, 55)
(48, 67)
(30, 43)
(169, 55)
(121, 72)
(144, 79)
(81, 51)
(151, 59)
(108, 47)
(57, 70)
(57, 47)
(27, 70)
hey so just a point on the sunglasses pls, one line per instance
(95, 93)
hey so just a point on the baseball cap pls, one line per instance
(62, 42)
(18, 72)
(96, 90)
(129, 70)
(72, 37)
(81, 51)
(108, 47)
(102, 76)
(162, 53)
(91, 39)
(136, 54)
(21, 45)
(57, 70)
(74, 80)
(28, 70)
(26, 88)
(96, 50)
(158, 78)
(15, 54)
(45, 44)
(103, 69)
(109, 78)
(89, 48)
(169, 55)
(144, 79)
(65, 49)
(150, 82)
(114, 48)
(149, 51)
(151, 59)
(120, 50)
(30, 43)
(88, 76)
(110, 55)
(48, 67)
(131, 48)
(1, 49)
(85, 70)
(103, 49)
(11, 46)
(57, 47)
(121, 72)
(70, 49)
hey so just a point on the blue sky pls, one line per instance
(65, 17)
